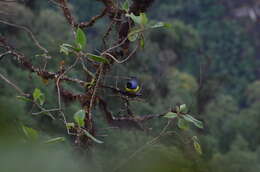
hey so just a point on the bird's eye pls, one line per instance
(129, 85)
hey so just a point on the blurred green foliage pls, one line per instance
(207, 60)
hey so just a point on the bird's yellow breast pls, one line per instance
(132, 90)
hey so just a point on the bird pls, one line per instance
(132, 86)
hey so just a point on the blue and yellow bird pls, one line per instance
(132, 86)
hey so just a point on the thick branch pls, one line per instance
(92, 20)
(27, 65)
(126, 121)
(71, 19)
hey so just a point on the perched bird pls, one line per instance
(132, 86)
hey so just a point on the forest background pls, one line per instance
(209, 60)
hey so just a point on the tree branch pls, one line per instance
(27, 65)
(71, 19)
(126, 121)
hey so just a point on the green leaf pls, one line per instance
(23, 98)
(197, 147)
(196, 122)
(144, 19)
(157, 25)
(160, 24)
(88, 85)
(81, 39)
(70, 125)
(167, 25)
(136, 19)
(79, 118)
(92, 137)
(97, 58)
(195, 138)
(133, 34)
(170, 115)
(125, 6)
(30, 133)
(142, 42)
(55, 140)
(65, 50)
(68, 45)
(177, 108)
(38, 96)
(183, 108)
(182, 124)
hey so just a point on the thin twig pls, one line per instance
(13, 85)
(151, 142)
(4, 54)
(127, 58)
(107, 33)
(118, 45)
(56, 3)
(95, 89)
(59, 95)
(86, 69)
(59, 78)
(65, 123)
(29, 32)
(44, 110)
